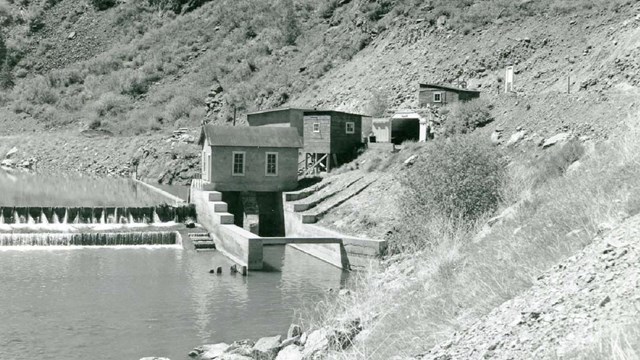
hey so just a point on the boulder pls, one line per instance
(291, 352)
(410, 160)
(294, 330)
(517, 136)
(267, 348)
(496, 138)
(11, 152)
(7, 163)
(243, 348)
(555, 139)
(317, 342)
(234, 357)
(210, 352)
(291, 340)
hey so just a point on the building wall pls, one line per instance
(381, 129)
(317, 142)
(254, 178)
(206, 153)
(425, 96)
(286, 117)
(341, 142)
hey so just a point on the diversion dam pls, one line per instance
(91, 239)
(95, 215)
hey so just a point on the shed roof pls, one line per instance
(449, 88)
(277, 110)
(251, 136)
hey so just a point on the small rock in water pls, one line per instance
(294, 330)
(233, 269)
(219, 270)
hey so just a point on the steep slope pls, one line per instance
(585, 307)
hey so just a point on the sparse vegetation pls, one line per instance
(464, 273)
(465, 117)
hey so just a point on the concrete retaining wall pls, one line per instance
(359, 251)
(243, 247)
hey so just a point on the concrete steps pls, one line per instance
(316, 213)
(202, 241)
(318, 198)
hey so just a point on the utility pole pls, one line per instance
(234, 115)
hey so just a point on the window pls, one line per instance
(351, 127)
(238, 163)
(271, 164)
(437, 97)
(316, 127)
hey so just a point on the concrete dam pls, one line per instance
(95, 215)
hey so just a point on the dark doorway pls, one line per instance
(405, 130)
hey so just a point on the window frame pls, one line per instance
(233, 163)
(316, 127)
(438, 93)
(266, 163)
(353, 127)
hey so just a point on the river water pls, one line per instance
(124, 303)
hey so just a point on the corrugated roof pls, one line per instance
(450, 88)
(252, 136)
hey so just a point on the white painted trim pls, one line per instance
(233, 162)
(266, 163)
(434, 96)
(346, 127)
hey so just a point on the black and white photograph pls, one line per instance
(320, 179)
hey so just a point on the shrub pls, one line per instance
(457, 177)
(378, 104)
(327, 8)
(179, 107)
(557, 160)
(95, 124)
(103, 4)
(464, 117)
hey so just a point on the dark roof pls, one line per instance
(277, 110)
(329, 112)
(449, 88)
(305, 111)
(251, 136)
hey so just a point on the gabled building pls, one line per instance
(245, 158)
(437, 95)
(330, 137)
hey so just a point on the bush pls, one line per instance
(464, 117)
(557, 160)
(457, 177)
(103, 4)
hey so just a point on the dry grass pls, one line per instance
(424, 295)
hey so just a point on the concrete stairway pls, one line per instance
(312, 208)
(202, 241)
(220, 208)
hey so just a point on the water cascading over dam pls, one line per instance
(94, 215)
(91, 239)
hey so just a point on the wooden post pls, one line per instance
(328, 163)
(569, 84)
(234, 115)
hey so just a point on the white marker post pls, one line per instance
(508, 80)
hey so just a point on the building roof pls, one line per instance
(329, 112)
(251, 136)
(449, 88)
(277, 110)
(305, 111)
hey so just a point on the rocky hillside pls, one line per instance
(577, 309)
(139, 68)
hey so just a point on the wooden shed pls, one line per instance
(245, 158)
(331, 138)
(285, 117)
(437, 95)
